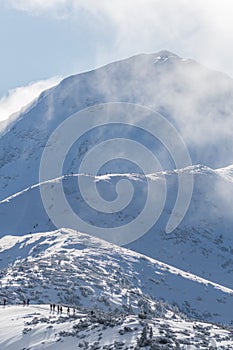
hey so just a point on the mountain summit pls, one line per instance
(197, 101)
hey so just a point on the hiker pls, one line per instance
(28, 301)
(60, 309)
(4, 301)
(24, 302)
(54, 305)
(51, 307)
(68, 310)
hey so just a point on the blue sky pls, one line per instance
(45, 40)
(36, 47)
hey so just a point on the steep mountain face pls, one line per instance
(199, 103)
(79, 270)
(202, 243)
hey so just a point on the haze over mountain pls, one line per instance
(198, 102)
(179, 274)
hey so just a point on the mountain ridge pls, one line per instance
(203, 236)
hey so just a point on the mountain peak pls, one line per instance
(164, 54)
(147, 58)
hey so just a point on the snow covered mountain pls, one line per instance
(35, 328)
(77, 269)
(158, 274)
(116, 298)
(196, 100)
(202, 243)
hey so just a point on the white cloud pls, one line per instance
(199, 29)
(38, 6)
(19, 97)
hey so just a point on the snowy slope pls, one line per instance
(34, 327)
(196, 100)
(202, 243)
(79, 270)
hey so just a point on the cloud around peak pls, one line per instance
(198, 29)
(19, 97)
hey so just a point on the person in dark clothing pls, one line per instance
(54, 305)
(4, 301)
(28, 301)
(51, 307)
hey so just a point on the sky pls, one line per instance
(43, 41)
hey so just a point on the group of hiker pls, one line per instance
(59, 309)
(25, 302)
(53, 307)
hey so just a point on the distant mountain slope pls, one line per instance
(198, 101)
(202, 243)
(77, 269)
